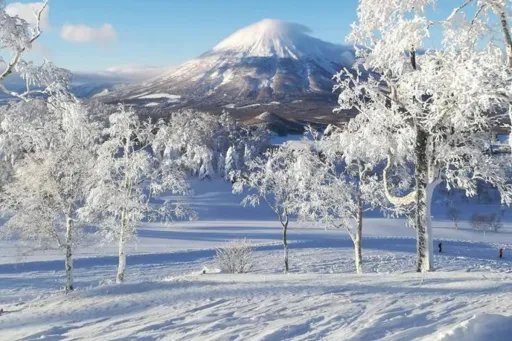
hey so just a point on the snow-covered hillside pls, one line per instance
(167, 297)
(442, 307)
(270, 60)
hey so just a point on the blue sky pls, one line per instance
(168, 32)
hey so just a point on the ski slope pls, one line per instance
(167, 296)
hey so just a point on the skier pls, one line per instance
(500, 252)
(440, 247)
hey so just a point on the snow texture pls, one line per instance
(167, 297)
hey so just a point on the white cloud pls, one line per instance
(135, 71)
(86, 34)
(27, 12)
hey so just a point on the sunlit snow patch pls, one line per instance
(160, 96)
(482, 327)
(250, 106)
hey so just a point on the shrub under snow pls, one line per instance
(235, 257)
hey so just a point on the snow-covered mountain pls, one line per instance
(267, 62)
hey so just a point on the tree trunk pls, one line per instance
(430, 233)
(122, 254)
(508, 44)
(507, 35)
(68, 263)
(510, 117)
(423, 240)
(284, 223)
(508, 47)
(285, 245)
(359, 237)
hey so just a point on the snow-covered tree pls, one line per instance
(230, 164)
(336, 194)
(129, 175)
(17, 36)
(434, 109)
(204, 141)
(46, 145)
(275, 177)
(53, 154)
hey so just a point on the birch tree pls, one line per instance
(128, 178)
(274, 178)
(141, 160)
(52, 165)
(39, 142)
(337, 193)
(434, 109)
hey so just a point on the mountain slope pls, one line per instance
(90, 84)
(269, 61)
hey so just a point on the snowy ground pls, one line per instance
(468, 297)
(440, 306)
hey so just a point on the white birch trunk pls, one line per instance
(121, 268)
(358, 256)
(68, 263)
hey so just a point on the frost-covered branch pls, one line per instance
(17, 36)
(458, 9)
(404, 200)
(23, 47)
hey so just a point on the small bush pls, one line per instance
(454, 215)
(235, 257)
(482, 222)
(495, 223)
(478, 221)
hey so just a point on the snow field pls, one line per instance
(166, 297)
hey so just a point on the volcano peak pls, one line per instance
(268, 37)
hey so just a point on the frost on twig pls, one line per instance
(17, 36)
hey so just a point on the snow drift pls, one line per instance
(482, 327)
